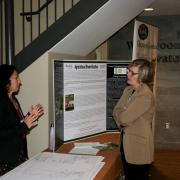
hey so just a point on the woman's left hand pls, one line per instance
(38, 110)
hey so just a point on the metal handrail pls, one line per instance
(38, 11)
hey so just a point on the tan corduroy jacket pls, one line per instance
(134, 113)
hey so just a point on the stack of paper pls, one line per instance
(57, 166)
(86, 148)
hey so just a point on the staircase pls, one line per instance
(81, 26)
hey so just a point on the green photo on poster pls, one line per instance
(69, 102)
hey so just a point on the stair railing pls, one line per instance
(31, 18)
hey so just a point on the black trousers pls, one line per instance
(134, 171)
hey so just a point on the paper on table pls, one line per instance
(91, 148)
(57, 166)
(87, 144)
(84, 150)
(96, 170)
(97, 145)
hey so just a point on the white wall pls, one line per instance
(35, 90)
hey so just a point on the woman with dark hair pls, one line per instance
(14, 126)
(134, 114)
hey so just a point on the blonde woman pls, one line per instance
(134, 114)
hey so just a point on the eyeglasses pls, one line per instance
(131, 72)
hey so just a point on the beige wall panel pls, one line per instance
(18, 38)
(51, 14)
(35, 20)
(35, 90)
(42, 17)
(59, 8)
(68, 4)
(27, 24)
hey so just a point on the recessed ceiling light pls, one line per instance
(148, 9)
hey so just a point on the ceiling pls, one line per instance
(164, 7)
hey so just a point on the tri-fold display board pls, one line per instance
(84, 94)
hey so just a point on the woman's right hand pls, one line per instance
(31, 120)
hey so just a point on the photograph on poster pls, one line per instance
(69, 102)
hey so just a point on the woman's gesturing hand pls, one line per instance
(30, 120)
(38, 110)
(34, 113)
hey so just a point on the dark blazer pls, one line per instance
(11, 132)
(135, 112)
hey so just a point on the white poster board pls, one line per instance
(82, 87)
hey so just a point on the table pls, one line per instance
(112, 168)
